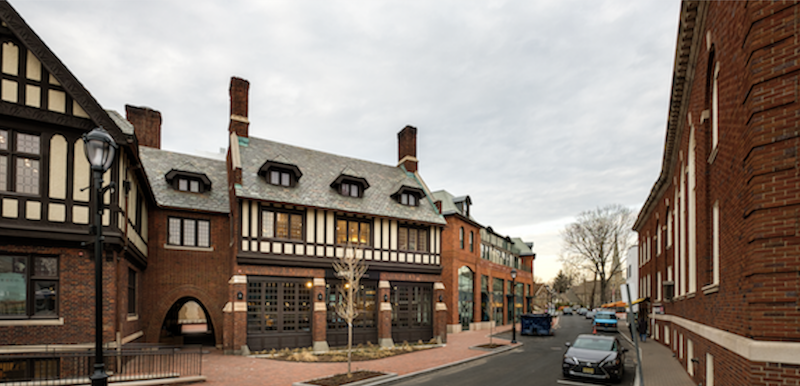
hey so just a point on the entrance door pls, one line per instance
(278, 313)
(412, 316)
(365, 327)
(465, 296)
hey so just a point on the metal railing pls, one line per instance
(131, 363)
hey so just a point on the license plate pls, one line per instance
(588, 370)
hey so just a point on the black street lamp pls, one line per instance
(100, 149)
(513, 306)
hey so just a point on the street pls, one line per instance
(537, 362)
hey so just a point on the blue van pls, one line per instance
(605, 321)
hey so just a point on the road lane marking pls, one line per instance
(565, 382)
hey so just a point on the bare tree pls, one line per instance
(596, 241)
(351, 268)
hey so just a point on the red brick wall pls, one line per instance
(453, 258)
(173, 274)
(755, 178)
(75, 299)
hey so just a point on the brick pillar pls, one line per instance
(319, 325)
(385, 314)
(239, 123)
(407, 148)
(476, 295)
(235, 333)
(440, 317)
(146, 124)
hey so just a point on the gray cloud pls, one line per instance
(537, 109)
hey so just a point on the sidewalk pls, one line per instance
(222, 369)
(659, 367)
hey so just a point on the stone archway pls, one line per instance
(187, 322)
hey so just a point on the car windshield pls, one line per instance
(606, 315)
(594, 343)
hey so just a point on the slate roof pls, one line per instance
(157, 163)
(449, 203)
(319, 170)
(522, 247)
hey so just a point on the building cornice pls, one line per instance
(689, 41)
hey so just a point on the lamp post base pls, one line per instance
(99, 377)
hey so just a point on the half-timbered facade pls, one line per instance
(295, 211)
(46, 204)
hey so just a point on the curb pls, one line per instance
(441, 367)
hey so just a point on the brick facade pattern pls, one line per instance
(755, 178)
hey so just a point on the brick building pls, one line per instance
(46, 272)
(476, 269)
(718, 243)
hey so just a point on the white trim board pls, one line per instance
(752, 350)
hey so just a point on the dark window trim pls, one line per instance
(275, 210)
(348, 220)
(418, 228)
(13, 155)
(196, 232)
(175, 176)
(294, 172)
(30, 289)
(344, 179)
(133, 286)
(417, 193)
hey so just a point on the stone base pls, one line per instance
(454, 328)
(481, 326)
(321, 346)
(386, 342)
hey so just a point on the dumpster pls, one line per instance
(536, 324)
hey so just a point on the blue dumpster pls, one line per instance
(536, 324)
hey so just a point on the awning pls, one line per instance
(614, 304)
(647, 299)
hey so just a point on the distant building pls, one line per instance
(718, 237)
(476, 269)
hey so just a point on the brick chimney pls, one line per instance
(238, 92)
(407, 148)
(146, 124)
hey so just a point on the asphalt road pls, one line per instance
(537, 362)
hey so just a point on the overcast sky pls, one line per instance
(538, 110)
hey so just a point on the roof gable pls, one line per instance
(56, 74)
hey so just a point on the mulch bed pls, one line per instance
(342, 379)
(358, 355)
(491, 345)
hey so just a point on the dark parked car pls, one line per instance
(595, 357)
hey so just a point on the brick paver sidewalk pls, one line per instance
(659, 367)
(237, 370)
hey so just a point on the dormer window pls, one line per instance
(280, 173)
(350, 186)
(188, 181)
(280, 177)
(408, 195)
(463, 203)
(349, 189)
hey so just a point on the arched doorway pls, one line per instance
(187, 322)
(466, 294)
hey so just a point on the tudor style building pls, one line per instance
(294, 210)
(46, 270)
(476, 269)
(718, 241)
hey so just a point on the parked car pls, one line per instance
(595, 357)
(567, 311)
(605, 321)
(589, 314)
(582, 311)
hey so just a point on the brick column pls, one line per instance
(319, 324)
(476, 296)
(235, 311)
(385, 314)
(440, 316)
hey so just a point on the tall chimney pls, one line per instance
(407, 148)
(238, 92)
(146, 124)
